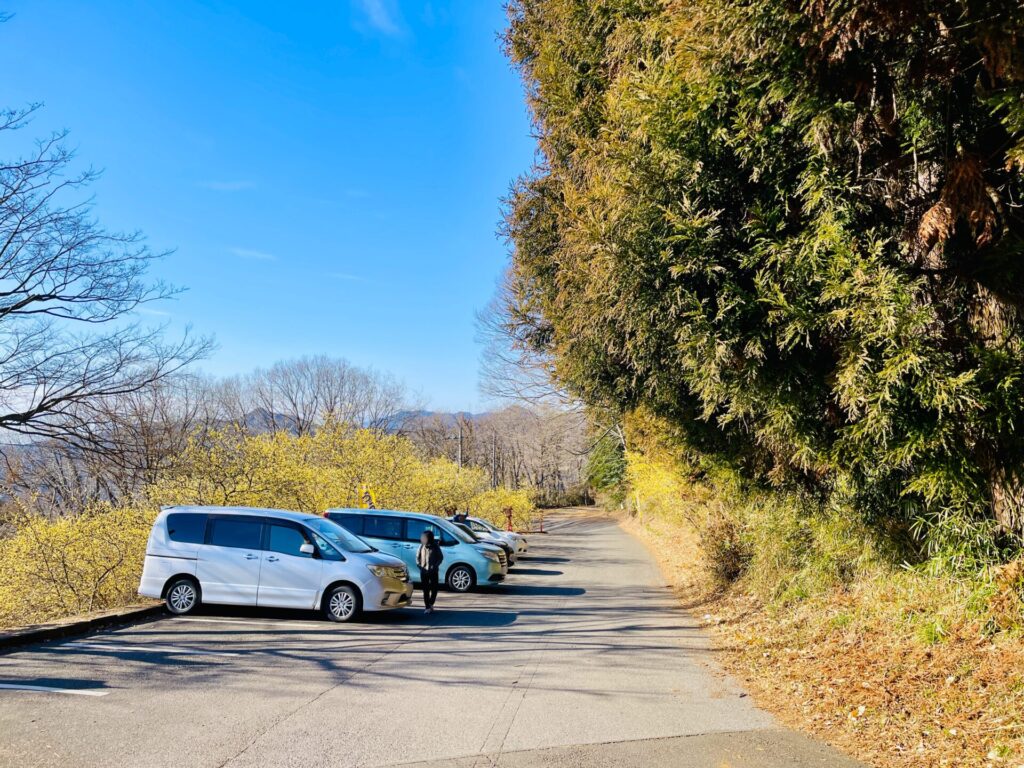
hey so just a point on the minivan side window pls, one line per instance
(351, 523)
(382, 527)
(187, 527)
(413, 529)
(240, 532)
(326, 549)
(286, 540)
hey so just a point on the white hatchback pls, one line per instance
(267, 557)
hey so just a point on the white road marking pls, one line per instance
(171, 649)
(251, 623)
(51, 689)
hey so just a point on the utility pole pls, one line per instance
(460, 441)
(494, 462)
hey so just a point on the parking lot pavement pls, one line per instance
(581, 658)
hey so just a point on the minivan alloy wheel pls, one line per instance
(182, 596)
(341, 604)
(460, 579)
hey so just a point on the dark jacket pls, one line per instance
(431, 554)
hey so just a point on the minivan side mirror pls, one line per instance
(307, 549)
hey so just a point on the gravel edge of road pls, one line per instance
(10, 639)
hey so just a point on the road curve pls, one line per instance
(582, 659)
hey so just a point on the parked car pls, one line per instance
(467, 563)
(510, 551)
(486, 530)
(267, 557)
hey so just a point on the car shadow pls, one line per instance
(529, 589)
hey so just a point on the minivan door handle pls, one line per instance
(272, 559)
(251, 556)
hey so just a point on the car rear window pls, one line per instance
(351, 523)
(382, 527)
(186, 527)
(242, 532)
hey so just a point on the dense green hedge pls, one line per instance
(793, 232)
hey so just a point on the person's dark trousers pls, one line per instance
(428, 579)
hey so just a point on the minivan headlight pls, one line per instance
(492, 556)
(394, 571)
(380, 571)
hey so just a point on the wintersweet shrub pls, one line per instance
(71, 565)
(492, 503)
(329, 468)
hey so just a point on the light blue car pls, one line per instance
(467, 563)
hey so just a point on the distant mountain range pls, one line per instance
(403, 419)
(262, 420)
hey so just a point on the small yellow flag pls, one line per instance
(367, 499)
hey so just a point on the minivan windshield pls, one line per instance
(337, 535)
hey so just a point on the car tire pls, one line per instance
(341, 603)
(182, 596)
(460, 578)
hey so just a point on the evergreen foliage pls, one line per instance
(793, 232)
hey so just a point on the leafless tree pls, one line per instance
(512, 367)
(542, 447)
(542, 429)
(69, 290)
(298, 395)
(144, 432)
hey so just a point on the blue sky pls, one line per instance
(329, 174)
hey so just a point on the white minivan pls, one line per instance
(267, 557)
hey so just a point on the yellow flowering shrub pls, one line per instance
(492, 503)
(71, 565)
(311, 473)
(93, 559)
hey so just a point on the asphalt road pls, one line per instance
(581, 659)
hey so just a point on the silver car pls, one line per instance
(513, 542)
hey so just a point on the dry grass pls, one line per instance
(896, 669)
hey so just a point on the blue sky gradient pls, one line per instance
(328, 174)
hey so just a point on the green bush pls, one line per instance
(791, 231)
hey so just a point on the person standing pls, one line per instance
(429, 558)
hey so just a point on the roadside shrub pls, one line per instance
(784, 545)
(71, 565)
(726, 555)
(492, 503)
(313, 472)
(1005, 602)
